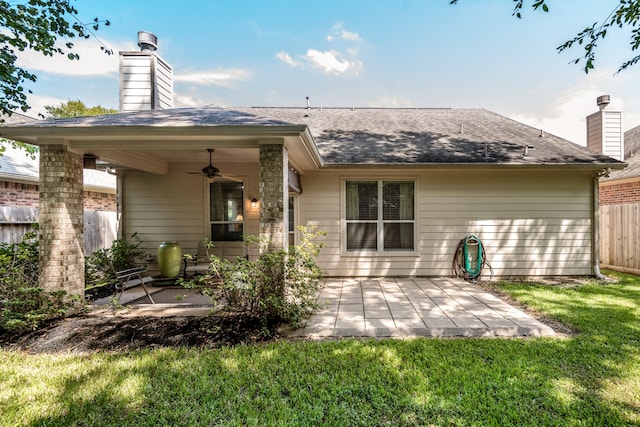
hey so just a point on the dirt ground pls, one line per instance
(100, 331)
(106, 330)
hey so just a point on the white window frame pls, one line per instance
(379, 251)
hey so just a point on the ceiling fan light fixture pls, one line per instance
(210, 171)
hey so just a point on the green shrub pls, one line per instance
(279, 286)
(23, 304)
(102, 265)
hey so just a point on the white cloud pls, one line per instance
(198, 99)
(391, 102)
(352, 51)
(221, 77)
(186, 101)
(339, 33)
(92, 62)
(564, 115)
(347, 35)
(331, 62)
(38, 102)
(286, 58)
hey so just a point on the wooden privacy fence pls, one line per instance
(100, 230)
(619, 232)
(99, 227)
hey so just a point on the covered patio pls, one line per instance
(166, 162)
(376, 307)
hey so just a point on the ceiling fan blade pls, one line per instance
(230, 177)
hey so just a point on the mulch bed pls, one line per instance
(106, 330)
(111, 333)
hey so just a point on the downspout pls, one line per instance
(119, 201)
(120, 205)
(595, 221)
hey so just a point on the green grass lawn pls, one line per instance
(590, 379)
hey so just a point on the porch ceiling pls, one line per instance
(158, 160)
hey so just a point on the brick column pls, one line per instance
(61, 220)
(274, 196)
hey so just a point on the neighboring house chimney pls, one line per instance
(605, 130)
(146, 80)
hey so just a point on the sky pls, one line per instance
(356, 53)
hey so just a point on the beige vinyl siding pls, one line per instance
(531, 223)
(163, 84)
(146, 82)
(605, 135)
(136, 83)
(175, 207)
(612, 135)
(594, 132)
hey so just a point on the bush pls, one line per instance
(102, 265)
(23, 304)
(278, 286)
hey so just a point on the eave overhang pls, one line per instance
(127, 145)
(575, 166)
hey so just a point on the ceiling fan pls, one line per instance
(212, 172)
(209, 171)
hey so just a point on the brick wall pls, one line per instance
(16, 194)
(94, 201)
(26, 195)
(616, 194)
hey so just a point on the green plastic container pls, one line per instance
(169, 259)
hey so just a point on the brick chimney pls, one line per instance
(146, 80)
(605, 130)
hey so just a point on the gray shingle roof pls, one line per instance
(16, 165)
(15, 118)
(175, 117)
(405, 136)
(429, 136)
(631, 142)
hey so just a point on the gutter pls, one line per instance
(152, 132)
(311, 148)
(456, 166)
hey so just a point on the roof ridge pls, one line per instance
(357, 108)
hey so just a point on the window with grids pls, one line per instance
(380, 215)
(226, 211)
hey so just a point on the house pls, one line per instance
(620, 211)
(19, 180)
(394, 189)
(623, 186)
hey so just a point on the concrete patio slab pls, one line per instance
(439, 307)
(387, 307)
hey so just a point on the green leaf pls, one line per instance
(36, 26)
